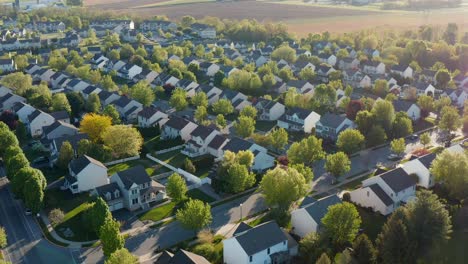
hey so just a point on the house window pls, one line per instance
(134, 201)
(367, 193)
(117, 194)
(134, 191)
(250, 259)
(268, 251)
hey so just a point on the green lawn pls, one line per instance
(53, 174)
(371, 222)
(149, 166)
(160, 212)
(265, 126)
(200, 195)
(174, 158)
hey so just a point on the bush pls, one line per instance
(205, 236)
(188, 166)
(346, 197)
(56, 216)
(206, 250)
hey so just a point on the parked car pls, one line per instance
(28, 211)
(393, 157)
(414, 137)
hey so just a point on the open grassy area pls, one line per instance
(149, 166)
(175, 2)
(160, 212)
(371, 222)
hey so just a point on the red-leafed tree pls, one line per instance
(9, 118)
(353, 108)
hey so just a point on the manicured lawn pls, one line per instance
(65, 200)
(174, 158)
(200, 195)
(160, 212)
(74, 221)
(371, 222)
(265, 126)
(149, 166)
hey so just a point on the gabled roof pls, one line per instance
(261, 237)
(217, 142)
(110, 188)
(34, 115)
(402, 105)
(426, 160)
(137, 175)
(332, 120)
(318, 209)
(398, 179)
(381, 194)
(237, 144)
(73, 139)
(148, 112)
(186, 257)
(79, 164)
(57, 124)
(202, 131)
(300, 112)
(400, 68)
(177, 123)
(297, 83)
(60, 115)
(122, 101)
(242, 228)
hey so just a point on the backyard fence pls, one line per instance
(122, 160)
(168, 150)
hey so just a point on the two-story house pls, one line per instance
(331, 125)
(85, 173)
(269, 110)
(386, 192)
(8, 100)
(177, 127)
(298, 119)
(128, 108)
(411, 109)
(209, 69)
(23, 110)
(404, 71)
(151, 116)
(421, 168)
(58, 129)
(262, 160)
(204, 31)
(211, 92)
(373, 67)
(200, 138)
(37, 120)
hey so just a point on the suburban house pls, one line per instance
(59, 129)
(200, 138)
(265, 243)
(238, 99)
(23, 110)
(331, 125)
(323, 72)
(204, 31)
(211, 92)
(269, 110)
(301, 65)
(189, 86)
(57, 143)
(128, 108)
(348, 63)
(404, 71)
(108, 97)
(308, 217)
(298, 119)
(8, 100)
(146, 75)
(421, 168)
(85, 173)
(329, 59)
(7, 65)
(129, 71)
(302, 86)
(425, 88)
(386, 192)
(37, 120)
(98, 61)
(177, 127)
(458, 97)
(154, 25)
(411, 109)
(262, 160)
(208, 68)
(137, 188)
(373, 67)
(215, 147)
(164, 79)
(180, 257)
(150, 117)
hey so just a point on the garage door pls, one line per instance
(115, 207)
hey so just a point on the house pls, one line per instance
(76, 85)
(138, 189)
(129, 71)
(111, 24)
(150, 117)
(8, 100)
(428, 76)
(323, 72)
(278, 88)
(108, 97)
(425, 88)
(213, 93)
(23, 110)
(112, 194)
(258, 59)
(269, 110)
(189, 86)
(373, 67)
(308, 218)
(301, 65)
(215, 147)
(421, 168)
(57, 78)
(239, 100)
(204, 31)
(302, 86)
(386, 192)
(298, 119)
(61, 116)
(348, 63)
(460, 80)
(404, 71)
(372, 52)
(90, 90)
(329, 59)
(128, 108)
(98, 61)
(74, 140)
(357, 78)
(208, 68)
(180, 257)
(165, 79)
(7, 65)
(155, 25)
(411, 109)
(85, 173)
(331, 125)
(199, 140)
(458, 97)
(37, 120)
(59, 129)
(265, 243)
(262, 160)
(177, 127)
(114, 65)
(146, 75)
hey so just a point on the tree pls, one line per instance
(126, 52)
(218, 78)
(450, 119)
(245, 126)
(307, 74)
(286, 74)
(188, 166)
(19, 180)
(384, 115)
(3, 238)
(249, 111)
(65, 155)
(122, 256)
(21, 62)
(56, 216)
(341, 223)
(93, 104)
(125, 141)
(442, 102)
(443, 77)
(306, 151)
(238, 178)
(33, 193)
(7, 138)
(325, 96)
(201, 113)
(426, 103)
(176, 187)
(9, 118)
(365, 120)
(282, 187)
(14, 164)
(376, 136)
(337, 164)
(305, 171)
(76, 102)
(278, 138)
(451, 33)
(21, 132)
(398, 146)
(312, 246)
(221, 121)
(324, 259)
(350, 141)
(17, 82)
(178, 99)
(284, 53)
(425, 139)
(223, 107)
(451, 169)
(381, 87)
(108, 84)
(95, 125)
(112, 112)
(97, 214)
(195, 215)
(363, 250)
(402, 125)
(110, 237)
(393, 242)
(200, 99)
(143, 93)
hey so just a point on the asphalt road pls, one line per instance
(25, 241)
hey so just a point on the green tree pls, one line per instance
(312, 246)
(56, 216)
(7, 138)
(176, 187)
(108, 84)
(384, 115)
(3, 238)
(365, 120)
(350, 141)
(426, 103)
(14, 164)
(381, 87)
(337, 164)
(450, 119)
(363, 250)
(443, 77)
(21, 132)
(124, 141)
(402, 125)
(305, 171)
(249, 111)
(122, 256)
(238, 178)
(110, 237)
(21, 62)
(221, 121)
(278, 138)
(306, 151)
(451, 169)
(178, 99)
(398, 146)
(195, 215)
(17, 82)
(65, 155)
(393, 242)
(324, 259)
(201, 113)
(245, 126)
(223, 107)
(307, 74)
(376, 136)
(341, 223)
(425, 139)
(200, 99)
(112, 112)
(188, 166)
(33, 193)
(97, 214)
(22, 176)
(76, 102)
(126, 52)
(93, 104)
(143, 93)
(284, 53)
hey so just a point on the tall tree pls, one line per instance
(93, 104)
(125, 141)
(278, 138)
(176, 187)
(249, 111)
(65, 155)
(122, 256)
(350, 141)
(14, 164)
(18, 82)
(33, 193)
(7, 138)
(76, 102)
(142, 93)
(178, 99)
(306, 151)
(97, 214)
(112, 112)
(402, 125)
(393, 242)
(200, 99)
(337, 164)
(376, 136)
(110, 237)
(451, 169)
(384, 114)
(238, 178)
(60, 103)
(200, 113)
(381, 87)
(450, 119)
(223, 106)
(363, 250)
(195, 215)
(95, 125)
(245, 126)
(341, 223)
(398, 146)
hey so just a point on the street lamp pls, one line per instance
(240, 212)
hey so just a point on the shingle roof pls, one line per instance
(217, 142)
(202, 132)
(300, 112)
(73, 139)
(261, 237)
(426, 160)
(77, 165)
(186, 257)
(331, 120)
(398, 179)
(137, 175)
(318, 209)
(237, 144)
(148, 112)
(381, 194)
(177, 122)
(34, 114)
(57, 124)
(402, 105)
(242, 228)
(109, 188)
(60, 115)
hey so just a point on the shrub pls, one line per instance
(346, 197)
(56, 216)
(188, 166)
(205, 236)
(206, 250)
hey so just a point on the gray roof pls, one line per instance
(177, 122)
(202, 131)
(242, 228)
(300, 112)
(73, 139)
(217, 142)
(402, 105)
(34, 114)
(57, 124)
(60, 115)
(148, 112)
(237, 144)
(332, 120)
(109, 188)
(381, 194)
(426, 160)
(186, 257)
(77, 165)
(318, 209)
(398, 179)
(137, 175)
(261, 237)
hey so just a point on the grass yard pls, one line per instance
(149, 166)
(160, 212)
(371, 222)
(53, 174)
(174, 158)
(265, 126)
(200, 195)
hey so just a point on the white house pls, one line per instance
(265, 243)
(459, 97)
(404, 71)
(59, 129)
(298, 119)
(23, 110)
(331, 125)
(421, 168)
(204, 31)
(129, 71)
(8, 100)
(7, 65)
(373, 67)
(215, 147)
(425, 88)
(85, 173)
(302, 86)
(348, 63)
(262, 160)
(150, 116)
(329, 59)
(128, 108)
(213, 93)
(411, 109)
(200, 138)
(385, 192)
(209, 69)
(269, 110)
(308, 218)
(37, 120)
(177, 127)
